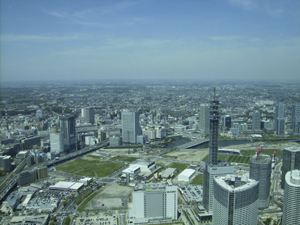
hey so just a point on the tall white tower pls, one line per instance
(280, 119)
(56, 141)
(235, 200)
(291, 206)
(296, 119)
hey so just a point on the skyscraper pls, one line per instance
(227, 122)
(256, 120)
(290, 161)
(291, 199)
(130, 126)
(204, 119)
(212, 169)
(153, 202)
(67, 127)
(280, 119)
(260, 170)
(235, 200)
(296, 119)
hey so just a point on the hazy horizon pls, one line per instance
(243, 40)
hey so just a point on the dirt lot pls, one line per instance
(189, 155)
(112, 197)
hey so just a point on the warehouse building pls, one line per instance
(186, 175)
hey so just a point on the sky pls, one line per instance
(150, 39)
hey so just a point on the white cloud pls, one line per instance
(11, 37)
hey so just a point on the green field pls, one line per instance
(220, 157)
(198, 180)
(124, 159)
(238, 159)
(179, 166)
(90, 168)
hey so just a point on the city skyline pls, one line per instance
(243, 40)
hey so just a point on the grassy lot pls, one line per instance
(179, 166)
(198, 180)
(90, 168)
(124, 159)
(220, 157)
(238, 159)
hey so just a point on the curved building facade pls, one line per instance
(260, 170)
(291, 200)
(290, 161)
(235, 200)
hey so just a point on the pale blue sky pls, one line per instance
(196, 39)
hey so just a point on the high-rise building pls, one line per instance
(296, 119)
(291, 199)
(227, 122)
(153, 202)
(88, 115)
(67, 127)
(260, 170)
(290, 161)
(56, 141)
(212, 168)
(235, 200)
(39, 114)
(130, 126)
(256, 120)
(280, 119)
(42, 172)
(204, 119)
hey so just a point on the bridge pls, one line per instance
(193, 143)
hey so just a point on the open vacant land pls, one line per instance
(90, 168)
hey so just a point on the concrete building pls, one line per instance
(5, 163)
(296, 119)
(142, 139)
(153, 202)
(290, 161)
(39, 114)
(115, 141)
(280, 119)
(26, 177)
(260, 170)
(67, 127)
(204, 119)
(235, 200)
(130, 126)
(256, 120)
(56, 141)
(42, 172)
(186, 175)
(101, 135)
(88, 114)
(291, 200)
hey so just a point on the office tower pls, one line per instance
(56, 141)
(153, 202)
(5, 163)
(227, 122)
(296, 119)
(88, 114)
(291, 199)
(67, 127)
(235, 200)
(130, 126)
(290, 161)
(280, 119)
(256, 121)
(204, 119)
(260, 170)
(212, 169)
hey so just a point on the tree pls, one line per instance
(54, 218)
